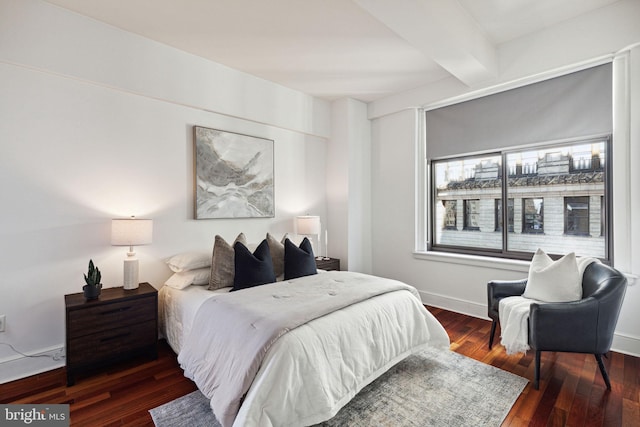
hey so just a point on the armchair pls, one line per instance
(583, 326)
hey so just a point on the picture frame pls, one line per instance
(234, 175)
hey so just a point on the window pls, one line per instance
(522, 144)
(450, 215)
(533, 215)
(602, 217)
(471, 215)
(576, 215)
(456, 184)
(499, 215)
(555, 195)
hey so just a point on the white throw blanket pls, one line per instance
(514, 316)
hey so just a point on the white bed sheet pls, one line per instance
(314, 370)
(178, 307)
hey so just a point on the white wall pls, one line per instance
(349, 185)
(459, 282)
(96, 123)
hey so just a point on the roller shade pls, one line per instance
(574, 105)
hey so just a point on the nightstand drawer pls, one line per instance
(109, 316)
(105, 344)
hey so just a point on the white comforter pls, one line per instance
(315, 369)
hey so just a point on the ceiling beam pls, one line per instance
(443, 31)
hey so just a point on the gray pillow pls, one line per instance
(277, 253)
(223, 262)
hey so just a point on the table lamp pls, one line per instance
(309, 225)
(131, 232)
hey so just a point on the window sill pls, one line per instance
(474, 260)
(489, 262)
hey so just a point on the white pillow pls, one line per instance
(199, 276)
(189, 261)
(553, 281)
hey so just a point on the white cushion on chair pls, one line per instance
(554, 281)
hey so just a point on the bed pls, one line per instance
(310, 371)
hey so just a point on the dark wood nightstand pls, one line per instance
(328, 264)
(118, 325)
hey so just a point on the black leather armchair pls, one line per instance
(584, 326)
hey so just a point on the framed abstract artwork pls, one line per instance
(233, 175)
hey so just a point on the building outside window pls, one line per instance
(533, 215)
(500, 215)
(576, 215)
(450, 222)
(555, 198)
(472, 215)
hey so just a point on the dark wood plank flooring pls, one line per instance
(571, 393)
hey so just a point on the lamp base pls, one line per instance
(130, 279)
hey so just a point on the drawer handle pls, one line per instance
(115, 337)
(117, 310)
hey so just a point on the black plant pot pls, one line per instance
(91, 292)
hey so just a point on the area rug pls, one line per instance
(431, 388)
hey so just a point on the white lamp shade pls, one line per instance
(131, 232)
(308, 224)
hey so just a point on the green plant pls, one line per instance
(93, 276)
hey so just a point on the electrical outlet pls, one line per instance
(3, 322)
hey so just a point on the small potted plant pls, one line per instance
(93, 287)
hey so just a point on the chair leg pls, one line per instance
(493, 332)
(536, 381)
(603, 371)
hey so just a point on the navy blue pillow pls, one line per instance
(252, 269)
(298, 261)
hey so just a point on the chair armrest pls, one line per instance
(567, 326)
(498, 289)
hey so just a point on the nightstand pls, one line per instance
(328, 264)
(120, 324)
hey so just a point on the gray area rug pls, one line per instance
(431, 388)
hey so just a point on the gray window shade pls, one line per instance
(574, 105)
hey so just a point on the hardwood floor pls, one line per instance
(571, 393)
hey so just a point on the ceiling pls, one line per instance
(363, 49)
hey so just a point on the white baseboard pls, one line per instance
(18, 367)
(622, 343)
(469, 308)
(626, 344)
